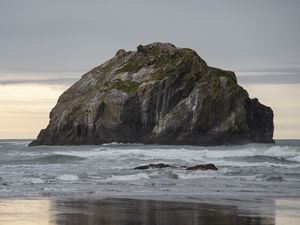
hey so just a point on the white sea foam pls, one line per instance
(219, 154)
(197, 174)
(49, 189)
(295, 159)
(36, 181)
(279, 151)
(253, 164)
(274, 151)
(17, 143)
(146, 154)
(68, 177)
(185, 175)
(84, 154)
(112, 143)
(201, 155)
(130, 177)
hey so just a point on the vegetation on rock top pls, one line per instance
(127, 86)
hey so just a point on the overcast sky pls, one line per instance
(74, 34)
(50, 44)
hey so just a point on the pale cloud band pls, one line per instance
(26, 103)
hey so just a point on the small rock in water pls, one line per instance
(275, 178)
(209, 166)
(4, 183)
(154, 166)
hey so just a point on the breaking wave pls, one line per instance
(48, 170)
(268, 156)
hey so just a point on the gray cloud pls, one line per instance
(26, 70)
(41, 40)
(81, 34)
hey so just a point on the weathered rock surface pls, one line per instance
(158, 94)
(209, 166)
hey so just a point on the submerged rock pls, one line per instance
(275, 178)
(158, 94)
(209, 166)
(154, 166)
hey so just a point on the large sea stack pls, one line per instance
(158, 94)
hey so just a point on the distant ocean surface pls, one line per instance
(258, 170)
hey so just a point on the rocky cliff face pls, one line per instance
(158, 94)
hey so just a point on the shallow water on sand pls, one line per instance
(108, 170)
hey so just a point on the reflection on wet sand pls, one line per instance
(132, 211)
(127, 212)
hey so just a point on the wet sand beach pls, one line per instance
(117, 211)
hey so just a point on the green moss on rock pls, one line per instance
(186, 53)
(126, 86)
(158, 74)
(106, 68)
(223, 73)
(131, 67)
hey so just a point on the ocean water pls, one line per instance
(253, 170)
